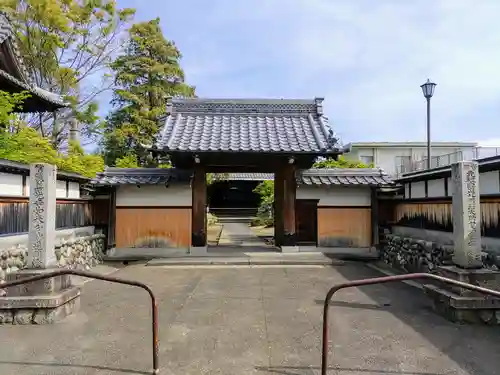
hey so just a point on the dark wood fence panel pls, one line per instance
(70, 213)
(435, 214)
(14, 216)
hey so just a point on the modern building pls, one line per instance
(399, 157)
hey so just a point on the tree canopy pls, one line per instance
(66, 47)
(27, 146)
(342, 162)
(146, 74)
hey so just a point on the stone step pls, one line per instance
(41, 287)
(275, 259)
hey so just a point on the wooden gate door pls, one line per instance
(306, 221)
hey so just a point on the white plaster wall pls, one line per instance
(336, 195)
(435, 188)
(450, 187)
(154, 195)
(407, 190)
(418, 189)
(74, 190)
(60, 189)
(489, 183)
(11, 184)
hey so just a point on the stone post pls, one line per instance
(466, 210)
(456, 303)
(42, 216)
(44, 301)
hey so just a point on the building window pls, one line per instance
(366, 159)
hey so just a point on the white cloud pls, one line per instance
(366, 57)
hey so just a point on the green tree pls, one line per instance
(146, 74)
(66, 46)
(27, 146)
(340, 163)
(8, 104)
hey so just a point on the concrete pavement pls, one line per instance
(251, 320)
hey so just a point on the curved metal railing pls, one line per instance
(383, 280)
(91, 275)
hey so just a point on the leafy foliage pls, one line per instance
(66, 45)
(146, 74)
(265, 190)
(127, 161)
(27, 146)
(8, 104)
(340, 163)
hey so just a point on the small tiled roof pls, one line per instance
(244, 176)
(151, 176)
(140, 176)
(347, 176)
(14, 167)
(22, 81)
(247, 125)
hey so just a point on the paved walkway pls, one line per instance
(250, 321)
(237, 234)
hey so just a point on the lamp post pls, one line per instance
(428, 91)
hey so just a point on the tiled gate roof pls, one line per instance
(153, 176)
(247, 125)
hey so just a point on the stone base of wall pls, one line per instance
(413, 255)
(461, 305)
(76, 253)
(40, 302)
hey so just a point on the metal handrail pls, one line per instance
(382, 280)
(91, 275)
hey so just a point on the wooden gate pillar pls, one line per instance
(199, 214)
(279, 186)
(290, 187)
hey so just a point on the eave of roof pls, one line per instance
(247, 125)
(140, 176)
(15, 167)
(23, 82)
(153, 176)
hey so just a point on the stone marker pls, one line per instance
(466, 210)
(456, 303)
(49, 300)
(42, 216)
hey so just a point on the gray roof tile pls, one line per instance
(244, 176)
(355, 176)
(151, 176)
(259, 125)
(140, 176)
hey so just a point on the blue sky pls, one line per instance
(367, 58)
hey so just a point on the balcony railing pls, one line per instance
(475, 153)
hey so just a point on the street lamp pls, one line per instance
(428, 90)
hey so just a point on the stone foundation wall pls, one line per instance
(82, 252)
(77, 253)
(415, 255)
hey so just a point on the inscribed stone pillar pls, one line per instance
(42, 216)
(466, 215)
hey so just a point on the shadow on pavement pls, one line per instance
(474, 348)
(291, 370)
(74, 365)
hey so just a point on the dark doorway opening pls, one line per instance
(306, 221)
(233, 197)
